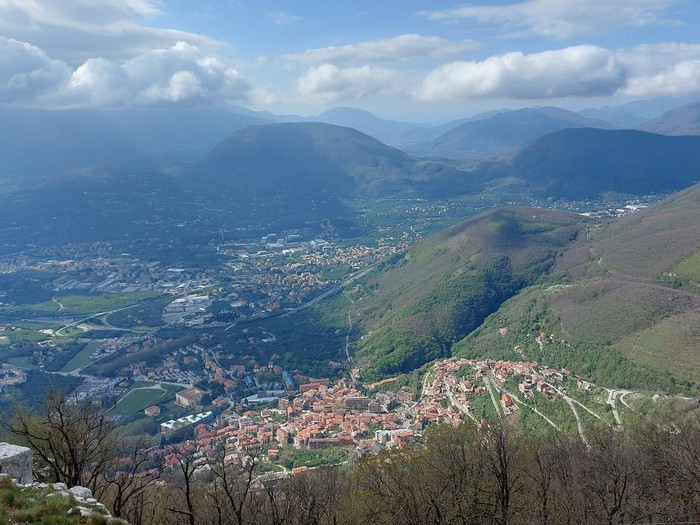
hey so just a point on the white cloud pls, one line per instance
(77, 30)
(25, 71)
(78, 14)
(328, 83)
(398, 48)
(181, 74)
(98, 82)
(574, 71)
(562, 19)
(678, 79)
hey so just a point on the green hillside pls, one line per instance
(629, 311)
(445, 287)
(619, 301)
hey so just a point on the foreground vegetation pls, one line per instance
(475, 473)
(43, 506)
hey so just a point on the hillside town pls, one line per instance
(363, 419)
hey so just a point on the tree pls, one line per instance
(73, 437)
(137, 467)
(186, 459)
(234, 484)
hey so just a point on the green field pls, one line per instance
(82, 358)
(23, 361)
(136, 399)
(75, 305)
(690, 267)
(4, 340)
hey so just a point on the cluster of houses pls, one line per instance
(11, 375)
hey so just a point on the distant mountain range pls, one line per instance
(260, 179)
(579, 163)
(293, 175)
(684, 120)
(502, 132)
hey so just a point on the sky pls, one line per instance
(400, 59)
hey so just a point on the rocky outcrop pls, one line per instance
(76, 501)
(16, 462)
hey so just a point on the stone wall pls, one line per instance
(16, 462)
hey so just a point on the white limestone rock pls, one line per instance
(81, 493)
(16, 461)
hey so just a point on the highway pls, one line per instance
(331, 291)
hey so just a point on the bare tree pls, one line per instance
(136, 467)
(236, 482)
(503, 447)
(186, 459)
(73, 437)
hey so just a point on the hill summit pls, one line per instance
(325, 157)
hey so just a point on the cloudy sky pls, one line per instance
(402, 59)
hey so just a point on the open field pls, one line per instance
(77, 305)
(136, 399)
(82, 358)
(23, 361)
(690, 267)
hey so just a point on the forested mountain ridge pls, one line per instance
(621, 297)
(580, 163)
(503, 132)
(334, 158)
(445, 287)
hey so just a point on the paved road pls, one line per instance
(487, 382)
(332, 290)
(612, 397)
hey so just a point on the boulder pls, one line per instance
(16, 461)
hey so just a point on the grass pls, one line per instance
(79, 304)
(20, 335)
(668, 345)
(136, 399)
(72, 331)
(482, 407)
(690, 267)
(80, 359)
(23, 361)
(4, 340)
(27, 505)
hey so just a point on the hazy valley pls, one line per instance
(313, 294)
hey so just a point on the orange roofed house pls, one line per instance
(189, 397)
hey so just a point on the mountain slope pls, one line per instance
(260, 179)
(628, 307)
(331, 158)
(679, 121)
(616, 117)
(503, 132)
(446, 286)
(618, 302)
(387, 131)
(586, 162)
